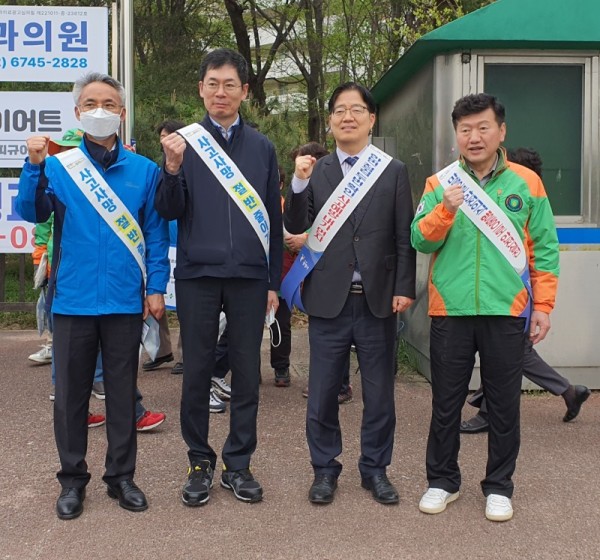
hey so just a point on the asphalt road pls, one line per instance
(556, 501)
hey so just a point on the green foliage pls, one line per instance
(18, 320)
(286, 129)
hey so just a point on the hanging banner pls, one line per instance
(26, 114)
(52, 44)
(16, 235)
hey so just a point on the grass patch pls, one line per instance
(14, 293)
(407, 360)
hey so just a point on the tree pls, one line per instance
(258, 54)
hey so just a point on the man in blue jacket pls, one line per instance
(222, 186)
(110, 270)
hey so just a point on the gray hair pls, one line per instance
(92, 77)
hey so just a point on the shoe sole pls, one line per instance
(282, 383)
(475, 430)
(40, 361)
(194, 503)
(96, 424)
(99, 396)
(346, 401)
(221, 394)
(503, 517)
(114, 496)
(156, 366)
(387, 501)
(568, 417)
(221, 411)
(67, 517)
(52, 397)
(241, 498)
(147, 428)
(440, 509)
(321, 501)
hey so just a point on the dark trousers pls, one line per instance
(330, 341)
(199, 302)
(535, 369)
(222, 356)
(76, 341)
(281, 345)
(454, 342)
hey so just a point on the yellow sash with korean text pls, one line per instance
(104, 200)
(231, 179)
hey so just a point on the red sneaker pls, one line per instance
(150, 420)
(95, 420)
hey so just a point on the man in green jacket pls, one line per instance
(479, 301)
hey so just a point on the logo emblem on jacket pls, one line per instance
(514, 202)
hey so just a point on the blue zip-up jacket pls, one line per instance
(93, 273)
(214, 237)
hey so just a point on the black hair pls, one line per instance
(225, 57)
(310, 149)
(366, 95)
(170, 125)
(477, 103)
(526, 157)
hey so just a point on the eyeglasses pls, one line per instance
(214, 86)
(355, 111)
(108, 106)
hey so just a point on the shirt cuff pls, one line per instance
(298, 185)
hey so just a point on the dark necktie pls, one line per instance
(351, 160)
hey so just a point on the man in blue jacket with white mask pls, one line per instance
(221, 183)
(111, 269)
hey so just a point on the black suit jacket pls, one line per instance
(376, 235)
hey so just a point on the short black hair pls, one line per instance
(310, 149)
(477, 103)
(225, 57)
(526, 157)
(170, 125)
(366, 95)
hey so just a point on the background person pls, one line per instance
(534, 367)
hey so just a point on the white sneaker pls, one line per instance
(498, 508)
(43, 356)
(435, 500)
(216, 404)
(221, 388)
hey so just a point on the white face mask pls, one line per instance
(100, 123)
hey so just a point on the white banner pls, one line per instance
(52, 44)
(25, 114)
(16, 235)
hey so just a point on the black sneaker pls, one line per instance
(200, 481)
(282, 377)
(243, 485)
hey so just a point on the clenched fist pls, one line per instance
(453, 198)
(37, 148)
(173, 146)
(304, 166)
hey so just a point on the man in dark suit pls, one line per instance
(364, 277)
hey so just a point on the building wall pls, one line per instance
(408, 118)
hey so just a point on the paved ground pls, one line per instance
(557, 498)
